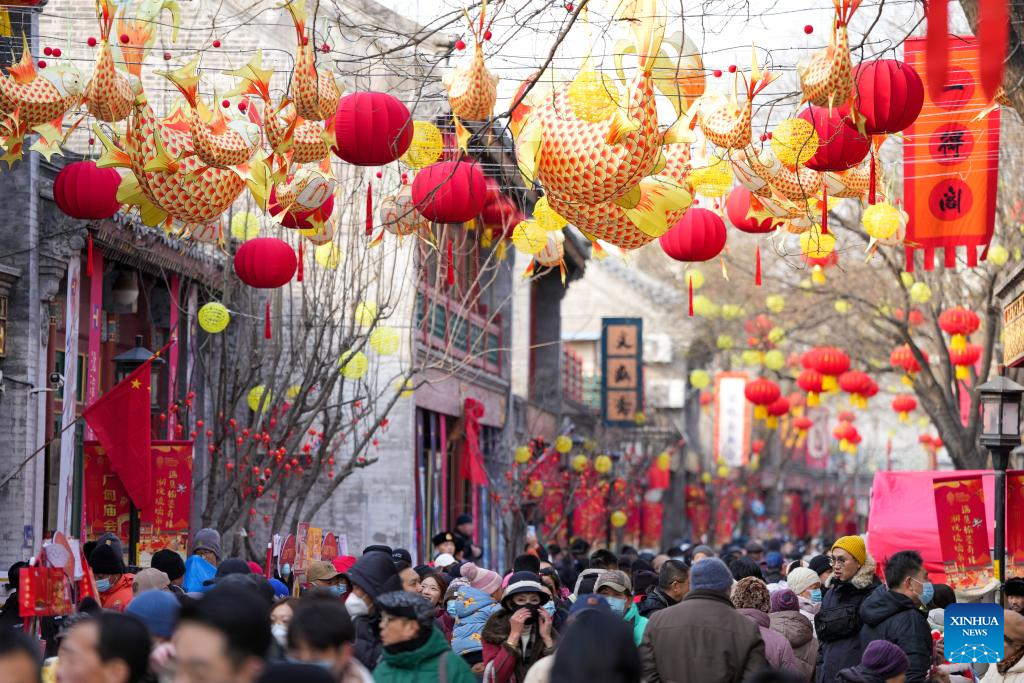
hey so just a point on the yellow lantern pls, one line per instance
(723, 471)
(245, 226)
(536, 489)
(882, 220)
(639, 418)
(619, 519)
(998, 255)
(794, 141)
(907, 279)
(385, 340)
(546, 217)
(353, 364)
(842, 306)
(522, 455)
(579, 462)
(602, 464)
(259, 394)
(529, 237)
(706, 477)
(700, 379)
(774, 360)
(593, 96)
(328, 255)
(752, 357)
(732, 311)
(694, 278)
(776, 303)
(366, 313)
(713, 179)
(563, 444)
(405, 389)
(426, 146)
(214, 317)
(814, 244)
(776, 335)
(920, 293)
(704, 307)
(664, 460)
(293, 392)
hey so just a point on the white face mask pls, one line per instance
(355, 606)
(280, 633)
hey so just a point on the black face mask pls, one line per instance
(534, 614)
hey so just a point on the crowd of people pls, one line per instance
(772, 613)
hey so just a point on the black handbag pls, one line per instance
(837, 623)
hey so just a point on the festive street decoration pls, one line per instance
(372, 129)
(830, 362)
(265, 263)
(82, 190)
(762, 393)
(450, 191)
(840, 145)
(888, 95)
(214, 317)
(698, 236)
(314, 92)
(959, 323)
(472, 89)
(903, 405)
(903, 357)
(964, 359)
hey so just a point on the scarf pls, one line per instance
(1009, 660)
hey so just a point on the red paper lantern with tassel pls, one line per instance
(904, 404)
(857, 384)
(840, 146)
(741, 207)
(964, 359)
(830, 362)
(888, 95)
(762, 393)
(698, 236)
(450, 191)
(265, 263)
(802, 424)
(776, 409)
(960, 323)
(811, 381)
(83, 190)
(371, 128)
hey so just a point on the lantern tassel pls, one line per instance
(757, 266)
(301, 265)
(369, 209)
(871, 178)
(266, 320)
(963, 372)
(88, 255)
(824, 210)
(451, 265)
(690, 282)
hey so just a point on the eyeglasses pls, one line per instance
(837, 561)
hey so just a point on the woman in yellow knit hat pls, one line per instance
(838, 621)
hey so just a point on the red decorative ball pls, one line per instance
(371, 128)
(450, 191)
(42, 63)
(570, 7)
(242, 106)
(460, 44)
(379, 174)
(265, 263)
(808, 29)
(732, 68)
(741, 213)
(167, 56)
(57, 52)
(216, 43)
(718, 73)
(889, 95)
(698, 236)
(125, 38)
(225, 103)
(47, 51)
(91, 42)
(83, 190)
(325, 48)
(487, 35)
(840, 146)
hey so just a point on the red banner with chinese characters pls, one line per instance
(730, 503)
(1015, 523)
(951, 161)
(815, 519)
(590, 515)
(106, 506)
(44, 592)
(963, 534)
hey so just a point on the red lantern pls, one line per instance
(762, 393)
(857, 384)
(265, 263)
(450, 191)
(501, 214)
(742, 208)
(371, 128)
(847, 435)
(904, 404)
(830, 362)
(698, 236)
(964, 359)
(889, 95)
(840, 146)
(902, 357)
(802, 424)
(960, 323)
(777, 409)
(300, 220)
(85, 191)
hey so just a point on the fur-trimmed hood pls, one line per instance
(865, 576)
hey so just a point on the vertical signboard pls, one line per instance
(622, 371)
(732, 420)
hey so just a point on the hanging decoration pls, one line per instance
(964, 359)
(960, 323)
(699, 235)
(762, 393)
(314, 92)
(372, 129)
(840, 145)
(450, 191)
(265, 263)
(826, 80)
(214, 317)
(904, 404)
(776, 410)
(110, 93)
(84, 191)
(903, 357)
(830, 362)
(425, 147)
(353, 364)
(859, 386)
(472, 89)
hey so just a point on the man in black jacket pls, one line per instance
(371, 576)
(894, 613)
(673, 584)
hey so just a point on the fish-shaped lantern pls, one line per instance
(314, 92)
(472, 89)
(727, 124)
(827, 80)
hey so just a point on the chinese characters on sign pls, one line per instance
(1015, 523)
(622, 375)
(963, 532)
(732, 420)
(43, 592)
(951, 161)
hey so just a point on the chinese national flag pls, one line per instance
(121, 421)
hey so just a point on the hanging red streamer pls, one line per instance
(871, 179)
(369, 209)
(88, 255)
(301, 265)
(689, 281)
(993, 34)
(451, 266)
(937, 14)
(824, 211)
(266, 320)
(757, 266)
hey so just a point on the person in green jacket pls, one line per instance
(617, 589)
(415, 651)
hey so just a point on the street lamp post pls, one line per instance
(1000, 434)
(125, 364)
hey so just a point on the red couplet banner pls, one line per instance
(1015, 523)
(963, 531)
(43, 592)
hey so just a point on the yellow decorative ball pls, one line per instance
(293, 392)
(732, 311)
(536, 489)
(713, 179)
(366, 313)
(245, 226)
(257, 395)
(579, 463)
(214, 317)
(723, 471)
(776, 303)
(328, 255)
(385, 340)
(704, 307)
(619, 519)
(593, 96)
(546, 217)
(427, 145)
(882, 220)
(725, 342)
(776, 335)
(694, 277)
(529, 237)
(706, 477)
(920, 293)
(752, 357)
(907, 279)
(522, 455)
(353, 364)
(700, 379)
(774, 360)
(602, 464)
(405, 389)
(813, 244)
(794, 141)
(563, 444)
(842, 306)
(998, 255)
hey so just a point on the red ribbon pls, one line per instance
(266, 320)
(689, 281)
(301, 267)
(451, 266)
(88, 255)
(937, 45)
(757, 267)
(369, 209)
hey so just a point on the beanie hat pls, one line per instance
(937, 619)
(150, 580)
(377, 549)
(480, 578)
(169, 562)
(113, 541)
(525, 582)
(710, 574)
(773, 560)
(702, 550)
(280, 590)
(784, 601)
(105, 560)
(463, 519)
(853, 545)
(232, 565)
(751, 593)
(819, 564)
(884, 659)
(207, 539)
(801, 578)
(158, 610)
(255, 568)
(444, 560)
(1014, 586)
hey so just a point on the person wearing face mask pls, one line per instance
(323, 575)
(113, 582)
(520, 633)
(616, 588)
(414, 649)
(472, 605)
(280, 617)
(321, 633)
(804, 582)
(371, 576)
(894, 612)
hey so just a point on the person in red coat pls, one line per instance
(112, 580)
(519, 634)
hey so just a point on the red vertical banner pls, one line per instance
(165, 524)
(951, 160)
(963, 532)
(329, 547)
(106, 504)
(44, 592)
(1015, 523)
(172, 355)
(815, 519)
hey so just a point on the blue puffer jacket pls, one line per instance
(471, 607)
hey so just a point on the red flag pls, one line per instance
(121, 421)
(472, 458)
